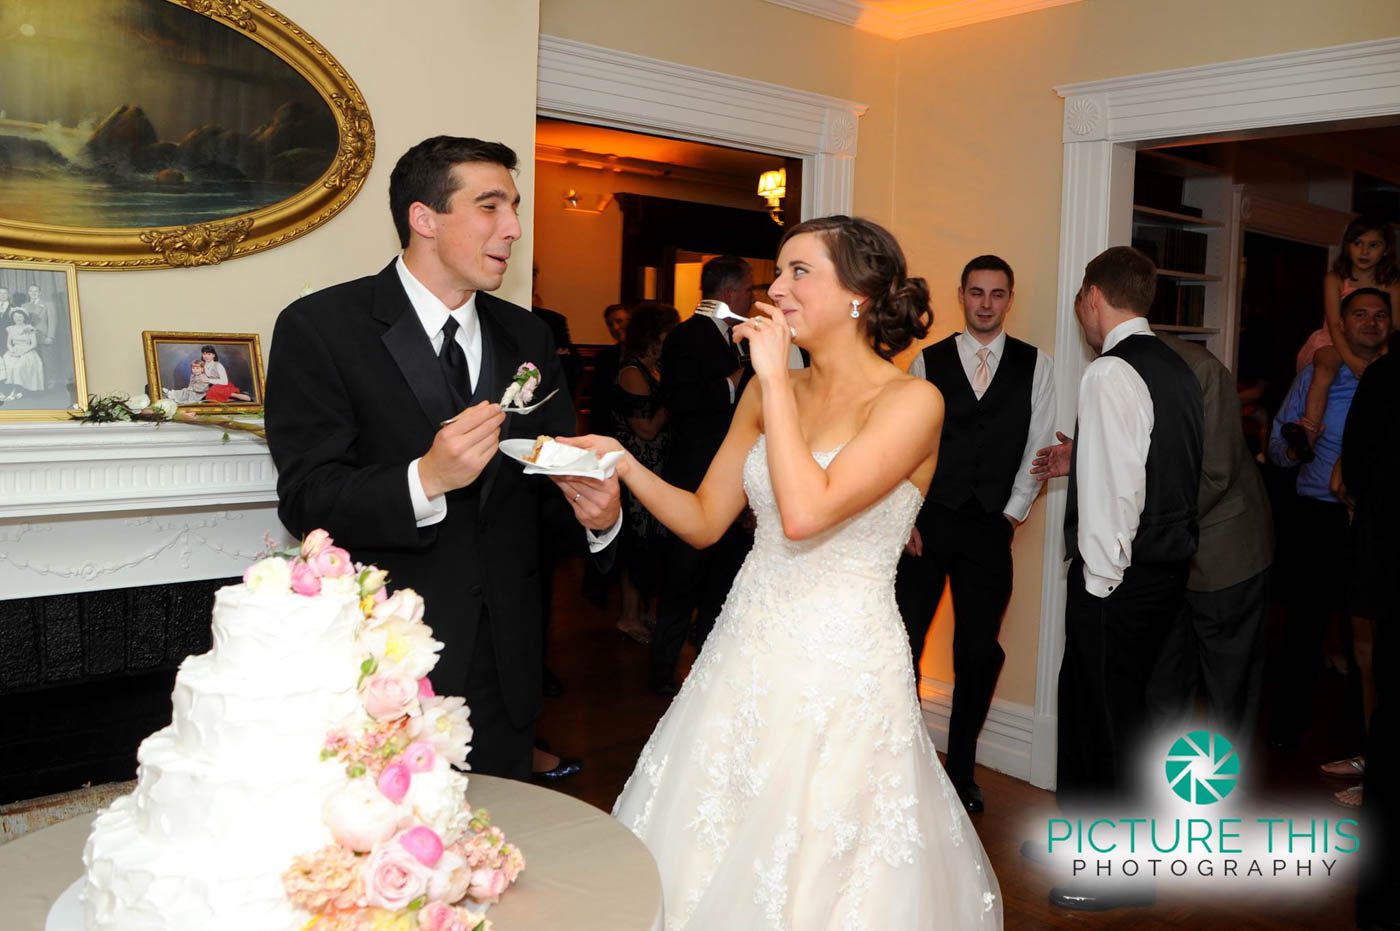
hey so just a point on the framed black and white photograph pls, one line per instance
(41, 371)
(210, 371)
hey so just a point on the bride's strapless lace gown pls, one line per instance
(791, 784)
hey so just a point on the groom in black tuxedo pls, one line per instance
(384, 423)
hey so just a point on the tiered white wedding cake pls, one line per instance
(306, 776)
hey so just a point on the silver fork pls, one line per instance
(516, 410)
(720, 311)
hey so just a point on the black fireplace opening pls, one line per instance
(84, 678)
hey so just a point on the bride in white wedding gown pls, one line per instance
(792, 784)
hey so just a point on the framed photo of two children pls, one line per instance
(213, 372)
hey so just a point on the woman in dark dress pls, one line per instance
(639, 423)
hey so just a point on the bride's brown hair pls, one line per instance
(869, 261)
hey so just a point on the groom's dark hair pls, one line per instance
(424, 174)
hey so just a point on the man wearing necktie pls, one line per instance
(384, 423)
(702, 376)
(999, 409)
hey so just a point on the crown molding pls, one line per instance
(868, 17)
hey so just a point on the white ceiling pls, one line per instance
(900, 19)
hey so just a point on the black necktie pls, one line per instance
(454, 361)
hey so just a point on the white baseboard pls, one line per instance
(1005, 742)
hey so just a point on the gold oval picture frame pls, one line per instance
(177, 164)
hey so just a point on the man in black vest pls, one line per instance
(1130, 531)
(999, 408)
(384, 422)
(701, 375)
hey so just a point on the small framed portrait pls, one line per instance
(41, 371)
(215, 372)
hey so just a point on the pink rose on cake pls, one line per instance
(423, 843)
(271, 576)
(359, 816)
(394, 877)
(332, 562)
(445, 722)
(487, 885)
(316, 541)
(439, 916)
(419, 756)
(387, 697)
(305, 580)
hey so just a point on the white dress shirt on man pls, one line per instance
(1111, 443)
(433, 314)
(1042, 428)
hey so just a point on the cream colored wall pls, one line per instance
(580, 254)
(462, 67)
(978, 168)
(762, 41)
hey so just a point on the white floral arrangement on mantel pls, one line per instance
(123, 408)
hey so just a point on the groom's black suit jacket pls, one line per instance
(355, 393)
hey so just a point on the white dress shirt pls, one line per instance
(1115, 430)
(1042, 427)
(433, 314)
(794, 353)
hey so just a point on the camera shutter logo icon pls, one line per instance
(1202, 767)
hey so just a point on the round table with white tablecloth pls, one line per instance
(583, 871)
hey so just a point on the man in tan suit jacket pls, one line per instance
(1218, 639)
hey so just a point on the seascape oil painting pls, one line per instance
(134, 114)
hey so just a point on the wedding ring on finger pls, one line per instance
(577, 496)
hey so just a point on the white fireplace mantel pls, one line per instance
(96, 506)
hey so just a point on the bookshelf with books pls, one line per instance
(1185, 219)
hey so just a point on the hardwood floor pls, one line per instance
(606, 714)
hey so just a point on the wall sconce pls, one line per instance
(585, 202)
(772, 187)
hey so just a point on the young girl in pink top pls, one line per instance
(1367, 260)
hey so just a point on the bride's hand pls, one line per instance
(599, 446)
(769, 340)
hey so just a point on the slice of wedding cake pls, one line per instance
(306, 778)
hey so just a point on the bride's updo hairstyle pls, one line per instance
(869, 261)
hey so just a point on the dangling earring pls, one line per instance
(855, 309)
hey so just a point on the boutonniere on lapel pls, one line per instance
(521, 389)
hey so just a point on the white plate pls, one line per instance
(67, 911)
(588, 465)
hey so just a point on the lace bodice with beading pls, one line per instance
(832, 595)
(792, 783)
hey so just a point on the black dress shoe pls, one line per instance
(971, 795)
(1084, 897)
(567, 766)
(552, 687)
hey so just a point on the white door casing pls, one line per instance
(590, 84)
(1105, 122)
